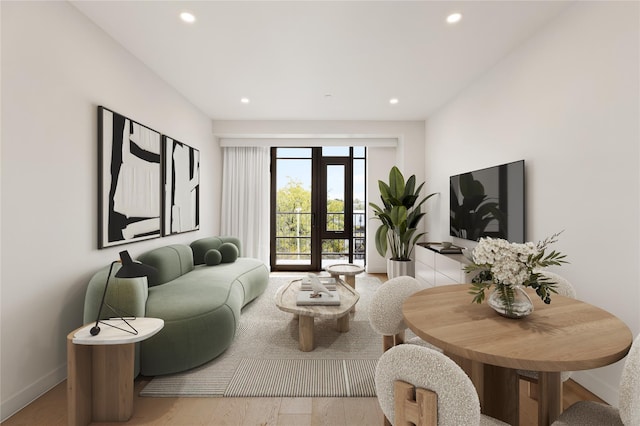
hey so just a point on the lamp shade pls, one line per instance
(131, 269)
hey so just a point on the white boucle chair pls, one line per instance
(385, 311)
(591, 413)
(563, 288)
(444, 394)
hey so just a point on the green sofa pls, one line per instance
(200, 304)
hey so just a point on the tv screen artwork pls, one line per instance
(489, 203)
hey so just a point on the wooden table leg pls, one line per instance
(351, 280)
(501, 388)
(305, 333)
(112, 388)
(549, 397)
(475, 371)
(343, 324)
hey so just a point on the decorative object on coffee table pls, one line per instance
(286, 300)
(318, 295)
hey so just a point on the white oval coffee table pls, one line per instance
(286, 298)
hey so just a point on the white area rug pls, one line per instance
(264, 359)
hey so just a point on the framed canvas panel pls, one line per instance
(181, 187)
(130, 172)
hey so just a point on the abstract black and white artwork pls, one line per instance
(130, 180)
(181, 187)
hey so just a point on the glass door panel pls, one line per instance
(334, 200)
(291, 245)
(336, 209)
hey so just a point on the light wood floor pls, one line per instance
(51, 409)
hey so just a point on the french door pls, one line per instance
(315, 219)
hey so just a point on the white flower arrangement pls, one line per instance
(504, 264)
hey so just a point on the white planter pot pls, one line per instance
(398, 268)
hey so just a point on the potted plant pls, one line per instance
(400, 215)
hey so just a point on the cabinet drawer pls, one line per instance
(450, 267)
(425, 275)
(426, 256)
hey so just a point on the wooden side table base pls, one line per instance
(100, 371)
(99, 383)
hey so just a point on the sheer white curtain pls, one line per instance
(245, 199)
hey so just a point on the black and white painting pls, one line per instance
(181, 187)
(130, 180)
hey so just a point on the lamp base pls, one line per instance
(95, 330)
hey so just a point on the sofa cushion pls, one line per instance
(229, 252)
(212, 257)
(201, 246)
(171, 262)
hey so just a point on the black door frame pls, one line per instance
(318, 208)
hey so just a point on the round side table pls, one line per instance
(348, 270)
(100, 371)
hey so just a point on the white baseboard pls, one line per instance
(18, 401)
(596, 386)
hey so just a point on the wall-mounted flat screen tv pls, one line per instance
(488, 203)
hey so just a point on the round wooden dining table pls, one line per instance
(566, 335)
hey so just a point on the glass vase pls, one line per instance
(510, 301)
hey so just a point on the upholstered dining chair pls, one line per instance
(422, 386)
(385, 311)
(591, 413)
(563, 288)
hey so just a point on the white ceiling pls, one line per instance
(287, 56)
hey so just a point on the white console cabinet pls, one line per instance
(434, 269)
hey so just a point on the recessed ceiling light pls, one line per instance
(188, 17)
(245, 100)
(454, 17)
(393, 101)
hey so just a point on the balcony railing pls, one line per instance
(293, 237)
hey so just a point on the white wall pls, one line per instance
(57, 67)
(567, 102)
(408, 155)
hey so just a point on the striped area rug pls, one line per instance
(264, 359)
(303, 378)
